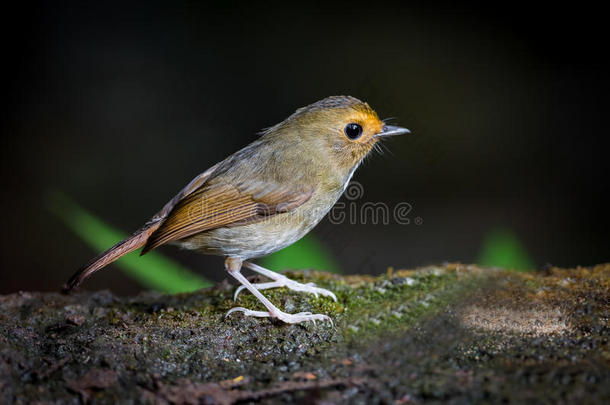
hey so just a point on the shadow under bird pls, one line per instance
(264, 197)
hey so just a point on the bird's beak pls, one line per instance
(391, 130)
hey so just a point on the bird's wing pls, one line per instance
(195, 184)
(221, 204)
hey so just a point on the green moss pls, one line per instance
(432, 333)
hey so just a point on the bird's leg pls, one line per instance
(279, 280)
(233, 266)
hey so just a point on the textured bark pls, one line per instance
(444, 333)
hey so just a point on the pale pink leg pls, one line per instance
(279, 280)
(233, 266)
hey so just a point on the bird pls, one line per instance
(264, 198)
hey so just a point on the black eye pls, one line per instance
(353, 131)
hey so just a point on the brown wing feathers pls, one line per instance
(197, 208)
(223, 205)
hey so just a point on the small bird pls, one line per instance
(264, 197)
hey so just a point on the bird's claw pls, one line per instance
(282, 316)
(283, 281)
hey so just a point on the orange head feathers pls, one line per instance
(343, 126)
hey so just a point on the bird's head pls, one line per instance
(343, 128)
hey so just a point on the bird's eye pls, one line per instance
(353, 131)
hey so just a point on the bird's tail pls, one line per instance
(135, 241)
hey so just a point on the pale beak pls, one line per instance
(392, 130)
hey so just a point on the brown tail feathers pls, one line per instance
(135, 241)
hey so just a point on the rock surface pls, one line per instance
(453, 333)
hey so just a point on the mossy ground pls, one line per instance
(452, 333)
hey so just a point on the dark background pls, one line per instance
(120, 106)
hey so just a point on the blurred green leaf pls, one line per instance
(153, 270)
(502, 248)
(307, 253)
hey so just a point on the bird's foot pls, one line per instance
(283, 316)
(283, 281)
